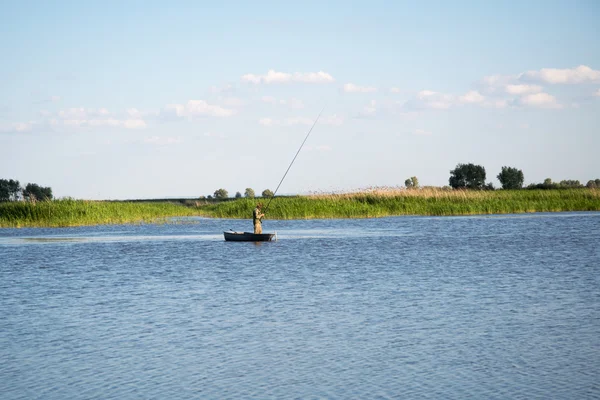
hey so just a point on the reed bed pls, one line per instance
(429, 201)
(372, 203)
(61, 213)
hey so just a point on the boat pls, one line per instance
(231, 236)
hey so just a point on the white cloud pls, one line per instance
(19, 127)
(54, 99)
(471, 97)
(134, 113)
(292, 103)
(233, 102)
(273, 76)
(195, 108)
(352, 88)
(223, 89)
(333, 120)
(597, 93)
(134, 124)
(297, 121)
(522, 89)
(162, 141)
(395, 90)
(422, 132)
(90, 117)
(266, 121)
(269, 99)
(434, 100)
(540, 100)
(580, 74)
(296, 103)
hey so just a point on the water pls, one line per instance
(408, 307)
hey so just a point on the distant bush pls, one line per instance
(564, 184)
(249, 193)
(267, 193)
(511, 178)
(592, 184)
(221, 194)
(467, 176)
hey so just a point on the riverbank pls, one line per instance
(62, 213)
(371, 204)
(432, 202)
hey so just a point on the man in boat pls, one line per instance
(257, 216)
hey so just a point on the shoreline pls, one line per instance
(416, 202)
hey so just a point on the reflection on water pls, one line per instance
(409, 307)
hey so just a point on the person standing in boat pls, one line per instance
(257, 216)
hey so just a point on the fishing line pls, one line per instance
(294, 159)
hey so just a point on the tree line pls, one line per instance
(11, 190)
(471, 176)
(221, 194)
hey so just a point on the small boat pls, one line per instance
(248, 237)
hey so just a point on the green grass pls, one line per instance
(371, 204)
(413, 202)
(59, 213)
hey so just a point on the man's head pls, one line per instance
(259, 205)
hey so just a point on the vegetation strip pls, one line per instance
(435, 202)
(60, 213)
(371, 204)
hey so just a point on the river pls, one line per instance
(404, 307)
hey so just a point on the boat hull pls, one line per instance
(248, 237)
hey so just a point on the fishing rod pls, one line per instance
(294, 159)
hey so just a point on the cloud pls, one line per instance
(471, 97)
(17, 127)
(233, 102)
(222, 89)
(597, 93)
(80, 117)
(540, 100)
(580, 74)
(352, 88)
(333, 120)
(434, 100)
(395, 90)
(522, 89)
(422, 132)
(194, 108)
(267, 121)
(274, 77)
(292, 103)
(162, 141)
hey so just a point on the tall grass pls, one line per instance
(59, 213)
(365, 204)
(381, 203)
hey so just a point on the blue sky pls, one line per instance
(142, 99)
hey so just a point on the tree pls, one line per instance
(571, 184)
(221, 194)
(249, 193)
(411, 182)
(593, 183)
(34, 192)
(238, 195)
(267, 193)
(10, 190)
(511, 178)
(469, 176)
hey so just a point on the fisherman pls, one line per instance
(257, 216)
